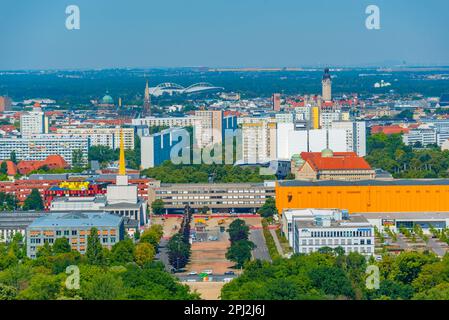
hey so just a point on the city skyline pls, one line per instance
(249, 34)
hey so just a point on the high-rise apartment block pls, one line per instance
(39, 147)
(258, 140)
(355, 135)
(5, 104)
(101, 136)
(276, 101)
(33, 122)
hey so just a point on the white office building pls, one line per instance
(291, 141)
(353, 233)
(424, 136)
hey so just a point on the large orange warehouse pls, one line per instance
(365, 196)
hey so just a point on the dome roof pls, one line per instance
(327, 153)
(107, 99)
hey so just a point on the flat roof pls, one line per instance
(396, 182)
(77, 219)
(405, 215)
(355, 221)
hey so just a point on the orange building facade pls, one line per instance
(365, 196)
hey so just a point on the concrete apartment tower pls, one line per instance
(276, 100)
(327, 86)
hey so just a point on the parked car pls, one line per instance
(191, 280)
(229, 273)
(208, 271)
(193, 273)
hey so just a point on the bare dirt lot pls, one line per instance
(211, 254)
(207, 290)
(171, 225)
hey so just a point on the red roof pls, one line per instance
(339, 161)
(7, 127)
(52, 162)
(389, 129)
(11, 167)
(110, 121)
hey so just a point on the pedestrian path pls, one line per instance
(277, 243)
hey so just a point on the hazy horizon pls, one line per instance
(222, 34)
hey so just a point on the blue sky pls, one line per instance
(172, 33)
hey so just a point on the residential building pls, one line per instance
(258, 140)
(5, 103)
(276, 98)
(421, 136)
(355, 135)
(156, 148)
(41, 146)
(33, 122)
(100, 136)
(328, 116)
(213, 126)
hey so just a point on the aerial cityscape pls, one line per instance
(277, 179)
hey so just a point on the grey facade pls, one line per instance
(75, 226)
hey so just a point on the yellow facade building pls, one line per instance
(365, 196)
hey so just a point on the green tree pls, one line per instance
(332, 281)
(408, 265)
(33, 201)
(144, 253)
(157, 206)
(439, 292)
(205, 210)
(269, 208)
(123, 252)
(238, 230)
(77, 159)
(178, 251)
(94, 253)
(101, 154)
(61, 245)
(103, 286)
(3, 168)
(7, 292)
(42, 287)
(13, 157)
(152, 235)
(240, 252)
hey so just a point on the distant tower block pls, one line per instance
(147, 102)
(276, 102)
(327, 85)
